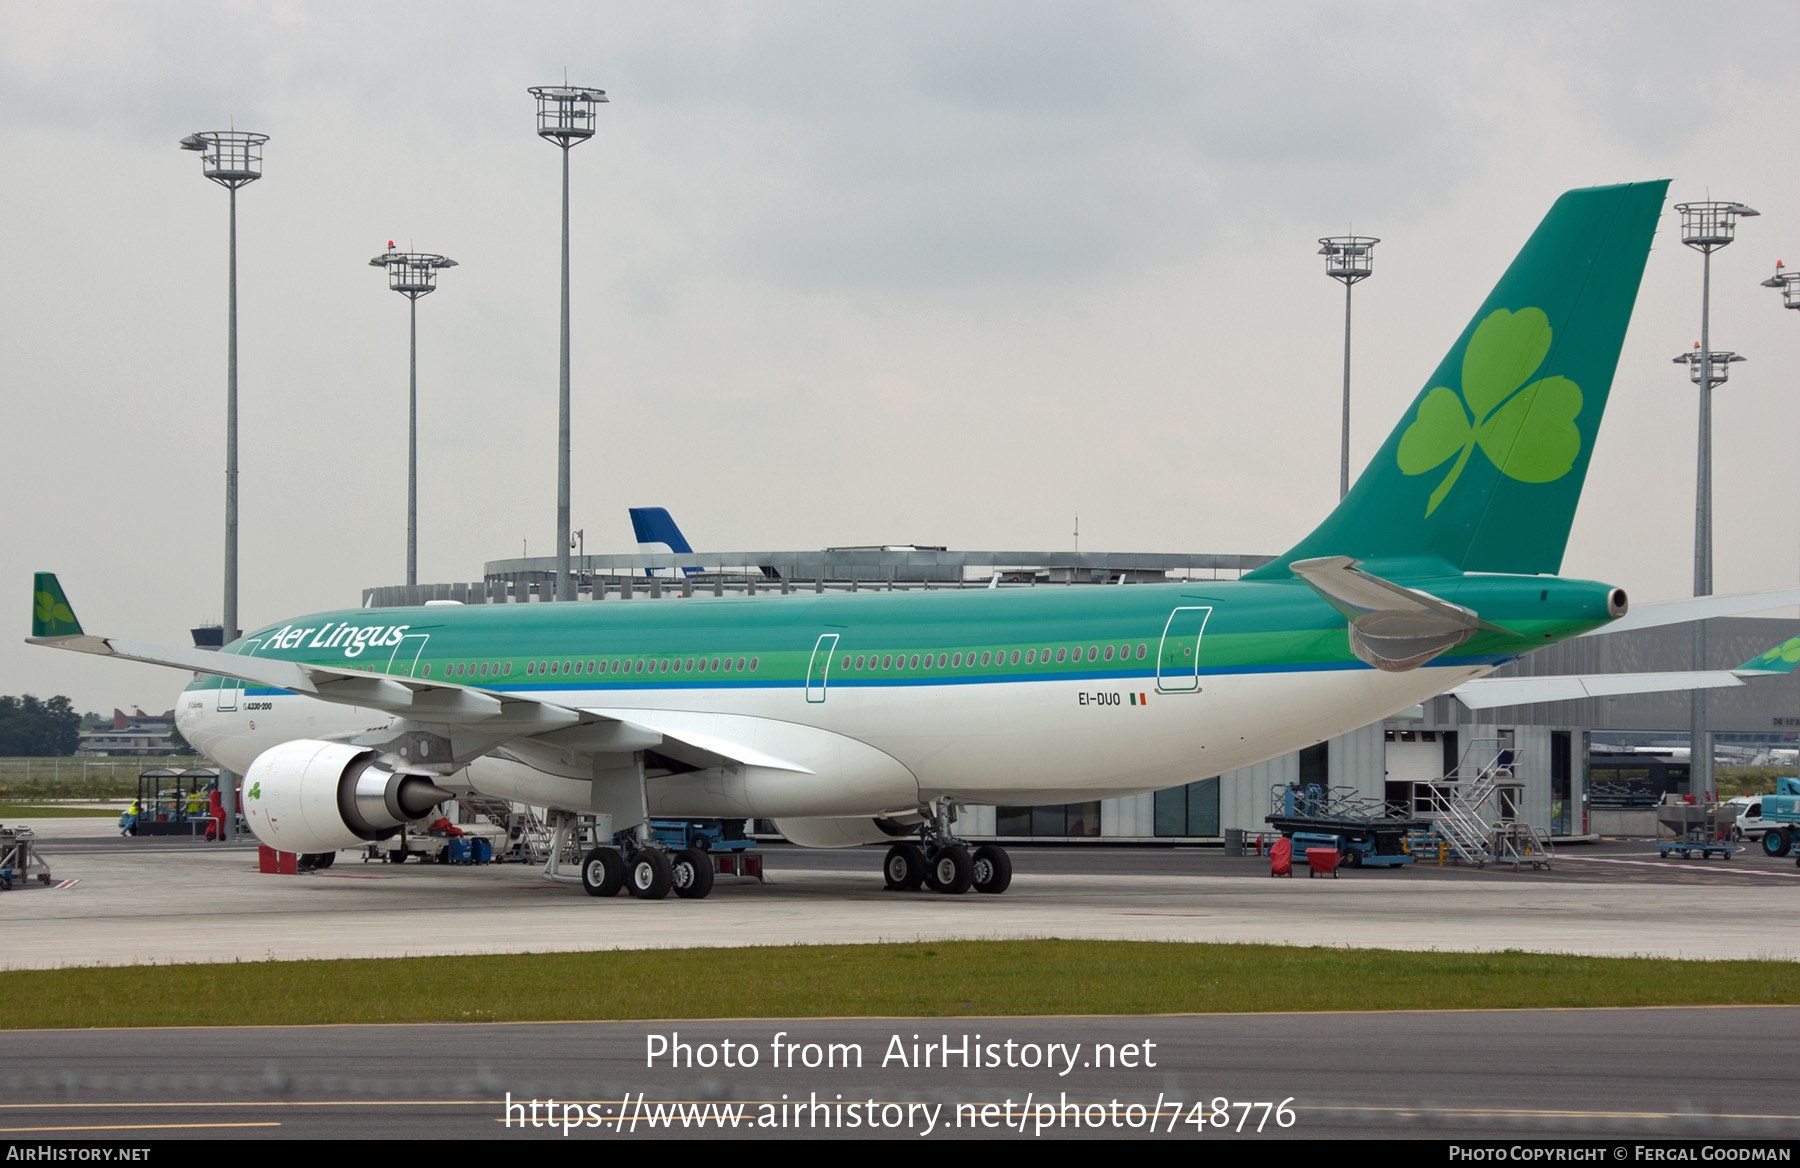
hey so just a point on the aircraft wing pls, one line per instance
(497, 713)
(411, 696)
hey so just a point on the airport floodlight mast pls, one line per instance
(1349, 258)
(1788, 283)
(1706, 227)
(565, 118)
(412, 274)
(231, 158)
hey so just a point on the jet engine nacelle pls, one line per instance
(844, 833)
(312, 796)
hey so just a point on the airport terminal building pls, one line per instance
(1549, 743)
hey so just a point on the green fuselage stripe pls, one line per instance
(1249, 628)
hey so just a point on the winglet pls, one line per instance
(51, 615)
(1781, 659)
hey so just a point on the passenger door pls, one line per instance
(1178, 657)
(818, 670)
(231, 690)
(405, 660)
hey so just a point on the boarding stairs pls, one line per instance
(1518, 843)
(528, 837)
(1472, 809)
(1330, 803)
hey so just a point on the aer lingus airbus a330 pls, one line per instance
(870, 717)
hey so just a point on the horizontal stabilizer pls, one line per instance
(1487, 692)
(1675, 612)
(1392, 628)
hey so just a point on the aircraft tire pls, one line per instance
(318, 861)
(993, 869)
(904, 867)
(649, 875)
(692, 873)
(950, 871)
(602, 872)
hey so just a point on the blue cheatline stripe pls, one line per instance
(718, 682)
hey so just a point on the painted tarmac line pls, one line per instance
(1669, 867)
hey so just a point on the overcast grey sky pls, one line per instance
(932, 272)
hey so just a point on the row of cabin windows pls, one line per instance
(615, 665)
(991, 657)
(860, 661)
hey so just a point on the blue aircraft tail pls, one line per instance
(657, 534)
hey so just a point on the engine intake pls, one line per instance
(312, 796)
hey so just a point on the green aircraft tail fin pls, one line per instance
(1781, 659)
(1484, 471)
(51, 615)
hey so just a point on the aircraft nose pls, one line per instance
(190, 719)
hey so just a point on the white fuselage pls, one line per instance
(880, 749)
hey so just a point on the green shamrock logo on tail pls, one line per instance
(1783, 654)
(255, 791)
(1529, 432)
(52, 612)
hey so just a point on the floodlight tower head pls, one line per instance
(231, 158)
(411, 273)
(1788, 282)
(1349, 258)
(1707, 227)
(1721, 361)
(566, 112)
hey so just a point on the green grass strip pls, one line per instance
(17, 813)
(938, 979)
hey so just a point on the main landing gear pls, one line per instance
(650, 873)
(943, 863)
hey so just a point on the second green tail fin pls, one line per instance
(1781, 659)
(51, 615)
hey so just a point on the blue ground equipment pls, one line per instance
(1782, 812)
(709, 835)
(1365, 832)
